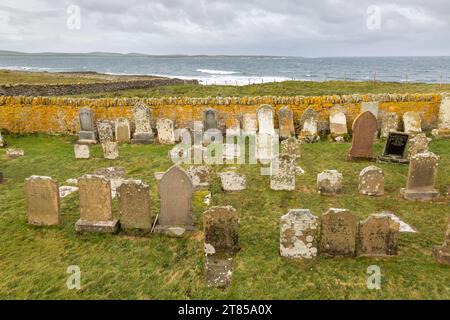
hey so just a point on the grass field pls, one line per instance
(34, 260)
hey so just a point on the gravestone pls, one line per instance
(286, 123)
(265, 119)
(291, 147)
(116, 175)
(282, 173)
(134, 206)
(42, 194)
(421, 177)
(87, 129)
(364, 128)
(200, 176)
(210, 119)
(143, 133)
(378, 236)
(105, 131)
(371, 181)
(249, 124)
(338, 233)
(298, 233)
(123, 132)
(65, 191)
(175, 192)
(412, 122)
(81, 151)
(166, 134)
(329, 182)
(110, 150)
(394, 149)
(371, 106)
(232, 181)
(233, 126)
(15, 153)
(338, 124)
(419, 144)
(309, 122)
(95, 205)
(389, 123)
(2, 141)
(221, 228)
(444, 118)
(183, 135)
(266, 145)
(442, 253)
(218, 271)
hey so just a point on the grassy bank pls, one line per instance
(34, 260)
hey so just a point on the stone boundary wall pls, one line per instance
(20, 114)
(81, 88)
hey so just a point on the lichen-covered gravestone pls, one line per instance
(444, 118)
(200, 176)
(87, 129)
(282, 173)
(338, 124)
(298, 233)
(338, 233)
(378, 236)
(291, 147)
(123, 132)
(371, 181)
(249, 124)
(42, 194)
(95, 205)
(442, 253)
(265, 119)
(143, 133)
(309, 122)
(175, 192)
(218, 270)
(221, 228)
(364, 128)
(15, 153)
(134, 206)
(394, 148)
(105, 131)
(166, 134)
(81, 151)
(232, 181)
(286, 122)
(389, 123)
(419, 144)
(412, 122)
(329, 182)
(421, 177)
(110, 150)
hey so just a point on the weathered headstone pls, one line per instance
(421, 177)
(338, 124)
(249, 124)
(123, 132)
(95, 205)
(338, 233)
(394, 149)
(87, 129)
(43, 201)
(283, 170)
(389, 123)
(371, 106)
(265, 119)
(110, 150)
(309, 123)
(15, 153)
(232, 181)
(378, 236)
(210, 119)
(175, 192)
(418, 144)
(143, 133)
(166, 134)
(200, 176)
(442, 253)
(329, 182)
(105, 131)
(371, 181)
(291, 147)
(444, 118)
(218, 270)
(221, 228)
(298, 234)
(412, 122)
(81, 151)
(286, 123)
(364, 128)
(134, 206)
(65, 191)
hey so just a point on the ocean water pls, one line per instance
(240, 70)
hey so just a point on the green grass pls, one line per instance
(34, 260)
(287, 88)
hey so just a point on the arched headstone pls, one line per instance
(286, 122)
(265, 119)
(364, 128)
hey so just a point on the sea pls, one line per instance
(239, 70)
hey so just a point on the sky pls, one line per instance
(315, 28)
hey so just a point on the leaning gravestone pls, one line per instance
(43, 202)
(419, 144)
(329, 182)
(105, 131)
(95, 205)
(412, 122)
(123, 132)
(364, 128)
(338, 233)
(444, 118)
(286, 123)
(282, 173)
(249, 124)
(309, 122)
(175, 192)
(298, 230)
(166, 134)
(378, 236)
(143, 133)
(338, 124)
(110, 150)
(421, 177)
(265, 119)
(389, 123)
(87, 129)
(371, 181)
(394, 150)
(81, 151)
(442, 253)
(134, 206)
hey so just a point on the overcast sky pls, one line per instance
(265, 27)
